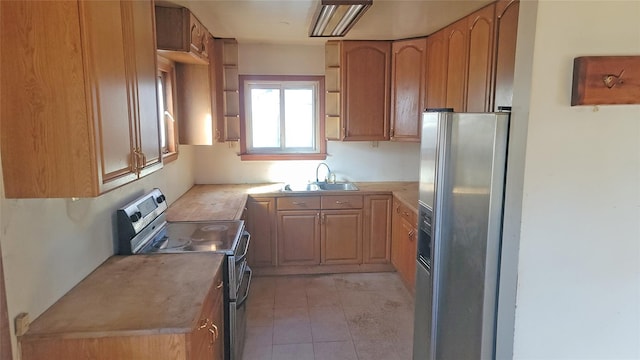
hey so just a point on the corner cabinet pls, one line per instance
(79, 99)
(365, 69)
(407, 88)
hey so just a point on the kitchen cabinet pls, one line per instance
(457, 40)
(404, 243)
(79, 104)
(332, 83)
(168, 308)
(407, 88)
(480, 26)
(436, 73)
(341, 229)
(181, 36)
(261, 224)
(227, 86)
(194, 104)
(377, 229)
(506, 23)
(315, 230)
(365, 69)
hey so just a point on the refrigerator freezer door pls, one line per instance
(428, 145)
(468, 222)
(422, 322)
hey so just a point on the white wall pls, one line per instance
(49, 245)
(356, 161)
(579, 259)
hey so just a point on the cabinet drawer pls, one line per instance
(405, 212)
(342, 202)
(299, 203)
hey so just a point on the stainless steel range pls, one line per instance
(143, 229)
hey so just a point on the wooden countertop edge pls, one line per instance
(112, 333)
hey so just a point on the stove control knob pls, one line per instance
(135, 216)
(160, 199)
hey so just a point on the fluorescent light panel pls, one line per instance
(336, 17)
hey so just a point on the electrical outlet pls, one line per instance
(22, 323)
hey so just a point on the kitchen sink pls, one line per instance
(321, 186)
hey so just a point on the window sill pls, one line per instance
(169, 157)
(272, 157)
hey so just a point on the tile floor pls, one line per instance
(367, 316)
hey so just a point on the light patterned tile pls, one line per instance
(262, 352)
(259, 336)
(379, 349)
(328, 324)
(320, 297)
(287, 332)
(340, 350)
(293, 352)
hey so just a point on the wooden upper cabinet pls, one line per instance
(407, 88)
(181, 36)
(506, 34)
(145, 100)
(479, 74)
(79, 106)
(457, 41)
(436, 74)
(365, 77)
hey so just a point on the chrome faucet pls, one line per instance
(326, 176)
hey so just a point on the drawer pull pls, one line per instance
(299, 203)
(219, 286)
(214, 333)
(342, 202)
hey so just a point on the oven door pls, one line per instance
(237, 263)
(238, 320)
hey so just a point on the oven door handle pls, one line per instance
(246, 293)
(246, 247)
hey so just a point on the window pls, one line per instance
(166, 108)
(282, 117)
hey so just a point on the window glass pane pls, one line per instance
(265, 118)
(161, 108)
(298, 115)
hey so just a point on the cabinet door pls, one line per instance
(457, 40)
(436, 74)
(396, 239)
(298, 237)
(411, 250)
(365, 80)
(261, 224)
(103, 42)
(206, 340)
(506, 33)
(407, 88)
(341, 237)
(479, 76)
(143, 51)
(377, 229)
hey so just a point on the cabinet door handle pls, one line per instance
(405, 213)
(214, 333)
(219, 286)
(203, 323)
(398, 209)
(301, 203)
(342, 202)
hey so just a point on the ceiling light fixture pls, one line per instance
(335, 18)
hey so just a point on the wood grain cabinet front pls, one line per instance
(404, 243)
(181, 36)
(79, 97)
(261, 224)
(167, 309)
(365, 75)
(408, 82)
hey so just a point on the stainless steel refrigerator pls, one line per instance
(462, 176)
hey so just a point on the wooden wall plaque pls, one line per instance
(603, 80)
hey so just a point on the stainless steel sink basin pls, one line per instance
(341, 186)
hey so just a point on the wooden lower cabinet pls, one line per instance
(105, 319)
(377, 229)
(404, 243)
(299, 237)
(341, 239)
(261, 224)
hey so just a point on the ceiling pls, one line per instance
(288, 21)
